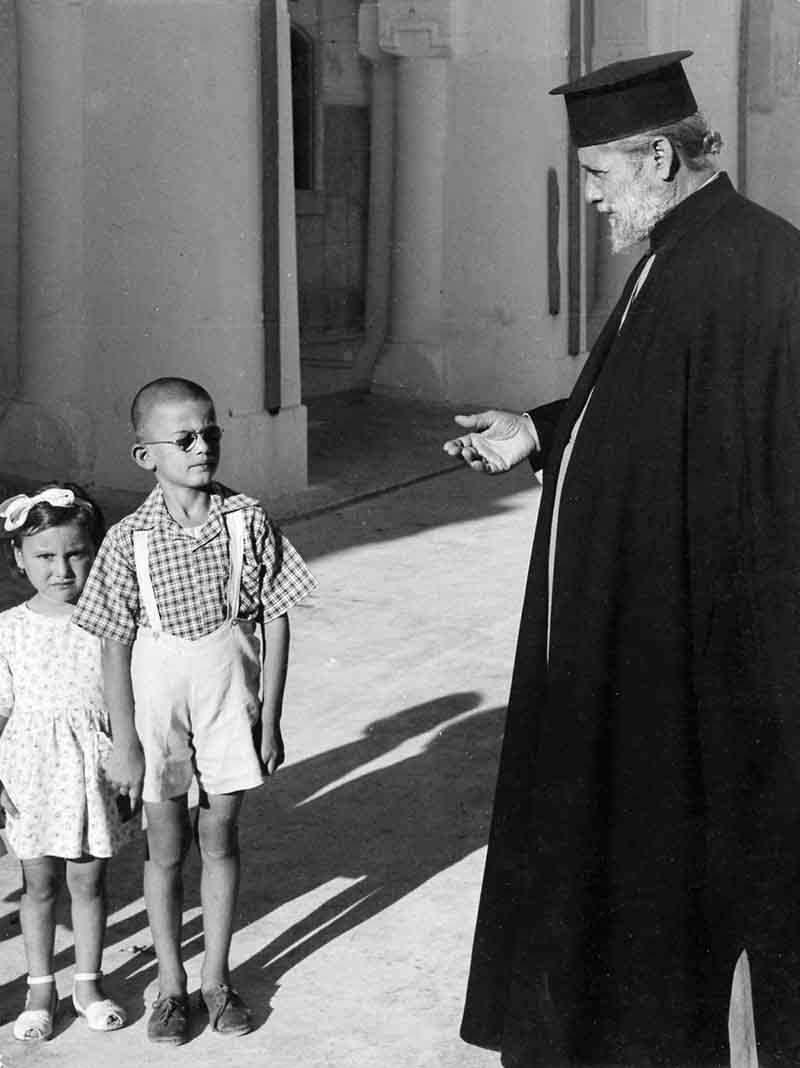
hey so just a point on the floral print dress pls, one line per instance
(56, 741)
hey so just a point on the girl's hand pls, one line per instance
(271, 748)
(125, 770)
(6, 803)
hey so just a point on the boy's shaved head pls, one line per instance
(164, 391)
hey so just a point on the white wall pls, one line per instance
(504, 131)
(172, 235)
(499, 343)
(710, 28)
(143, 183)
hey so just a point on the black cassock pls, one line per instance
(646, 825)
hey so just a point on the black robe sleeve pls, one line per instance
(545, 419)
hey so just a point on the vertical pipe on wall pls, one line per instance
(281, 325)
(381, 193)
(9, 200)
(270, 151)
(574, 202)
(742, 97)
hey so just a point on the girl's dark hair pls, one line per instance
(43, 516)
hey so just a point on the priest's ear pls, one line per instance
(664, 158)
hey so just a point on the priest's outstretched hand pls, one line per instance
(496, 442)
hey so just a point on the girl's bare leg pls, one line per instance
(41, 881)
(86, 880)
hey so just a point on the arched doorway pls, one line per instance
(331, 158)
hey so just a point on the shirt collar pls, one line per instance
(153, 511)
(692, 212)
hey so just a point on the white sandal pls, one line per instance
(36, 1025)
(103, 1015)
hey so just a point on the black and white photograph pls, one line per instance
(400, 533)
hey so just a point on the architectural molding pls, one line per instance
(411, 29)
(368, 35)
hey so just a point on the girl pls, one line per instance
(61, 813)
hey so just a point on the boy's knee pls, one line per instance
(167, 855)
(168, 850)
(218, 839)
(169, 833)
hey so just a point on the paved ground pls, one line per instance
(363, 857)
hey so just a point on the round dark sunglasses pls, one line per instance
(187, 440)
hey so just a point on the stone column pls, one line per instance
(145, 208)
(381, 192)
(270, 454)
(45, 431)
(422, 37)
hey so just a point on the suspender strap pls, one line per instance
(141, 556)
(234, 521)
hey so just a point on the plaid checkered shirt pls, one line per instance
(190, 572)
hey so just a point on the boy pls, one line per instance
(179, 592)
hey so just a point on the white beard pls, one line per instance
(636, 212)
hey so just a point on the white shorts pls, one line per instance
(197, 705)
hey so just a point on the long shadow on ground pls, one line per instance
(337, 814)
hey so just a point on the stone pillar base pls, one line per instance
(36, 444)
(265, 455)
(262, 455)
(414, 368)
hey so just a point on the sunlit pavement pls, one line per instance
(362, 858)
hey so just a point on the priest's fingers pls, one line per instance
(477, 421)
(477, 455)
(467, 447)
(453, 447)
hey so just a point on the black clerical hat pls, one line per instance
(627, 97)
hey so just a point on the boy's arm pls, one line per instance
(126, 766)
(276, 662)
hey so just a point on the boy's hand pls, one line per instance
(271, 748)
(7, 805)
(125, 769)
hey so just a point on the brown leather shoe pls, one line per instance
(227, 1013)
(169, 1021)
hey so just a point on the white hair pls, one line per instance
(694, 141)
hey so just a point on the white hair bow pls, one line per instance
(15, 510)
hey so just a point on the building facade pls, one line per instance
(286, 197)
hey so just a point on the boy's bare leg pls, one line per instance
(168, 841)
(218, 837)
